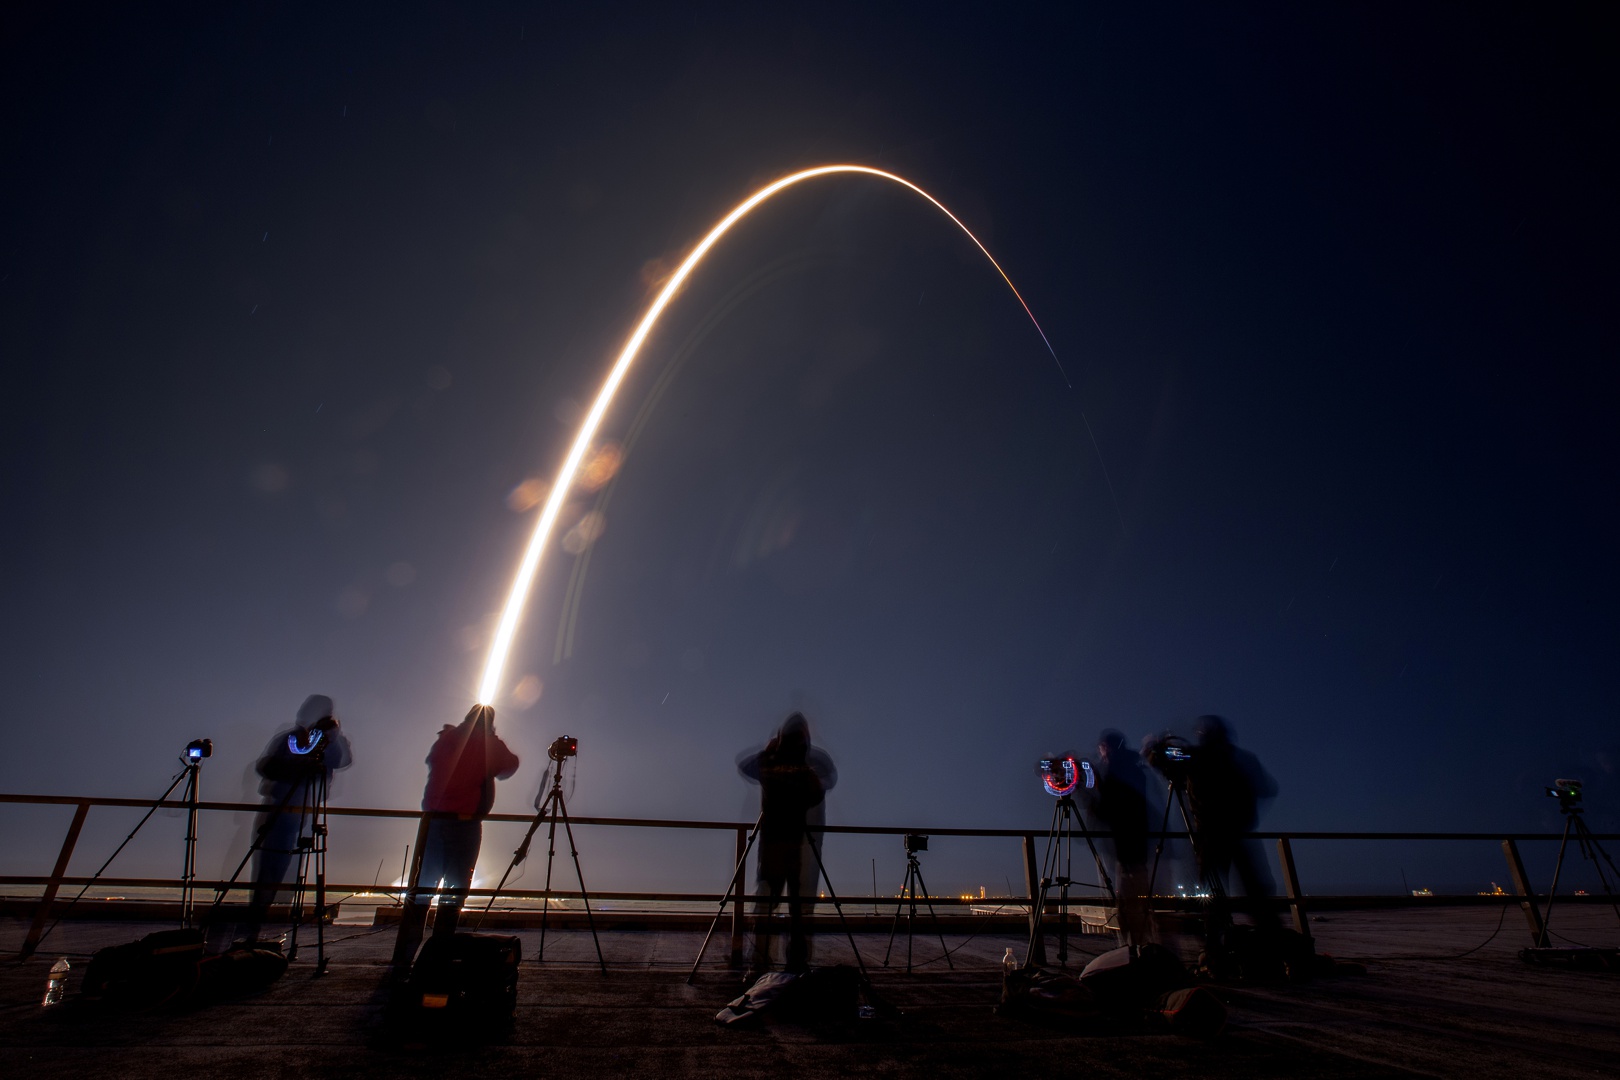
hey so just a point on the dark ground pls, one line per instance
(1414, 1013)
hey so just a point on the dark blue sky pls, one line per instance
(290, 304)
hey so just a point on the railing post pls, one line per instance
(1032, 885)
(1521, 884)
(737, 897)
(43, 911)
(1296, 899)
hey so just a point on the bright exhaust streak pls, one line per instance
(524, 578)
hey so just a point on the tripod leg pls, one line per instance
(319, 855)
(1591, 846)
(551, 855)
(735, 886)
(1066, 845)
(1158, 849)
(1558, 869)
(935, 918)
(1038, 913)
(518, 856)
(573, 849)
(822, 869)
(188, 885)
(899, 902)
(911, 916)
(301, 875)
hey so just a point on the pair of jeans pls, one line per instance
(449, 855)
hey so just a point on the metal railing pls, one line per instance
(1293, 896)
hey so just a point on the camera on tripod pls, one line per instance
(916, 842)
(1567, 792)
(1170, 755)
(1062, 776)
(564, 746)
(197, 749)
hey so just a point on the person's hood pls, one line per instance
(315, 707)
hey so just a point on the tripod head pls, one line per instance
(1568, 794)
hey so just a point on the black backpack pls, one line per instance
(464, 981)
(160, 969)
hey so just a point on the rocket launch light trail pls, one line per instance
(530, 564)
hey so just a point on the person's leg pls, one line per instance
(462, 842)
(798, 948)
(1250, 863)
(772, 882)
(1135, 906)
(277, 845)
(417, 904)
(1214, 863)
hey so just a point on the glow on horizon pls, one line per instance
(523, 580)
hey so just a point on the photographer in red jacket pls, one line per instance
(463, 766)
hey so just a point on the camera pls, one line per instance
(564, 746)
(197, 749)
(1567, 792)
(1170, 755)
(1062, 775)
(916, 842)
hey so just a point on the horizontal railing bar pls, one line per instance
(676, 823)
(515, 894)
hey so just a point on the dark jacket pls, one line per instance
(463, 766)
(1121, 805)
(789, 789)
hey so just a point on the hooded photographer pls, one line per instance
(289, 769)
(463, 765)
(1120, 803)
(793, 778)
(1225, 787)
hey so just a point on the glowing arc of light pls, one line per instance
(530, 564)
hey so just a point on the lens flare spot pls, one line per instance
(600, 467)
(401, 574)
(587, 532)
(527, 495)
(527, 691)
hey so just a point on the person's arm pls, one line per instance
(822, 763)
(505, 762)
(749, 764)
(339, 755)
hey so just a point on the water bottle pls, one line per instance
(58, 980)
(1009, 962)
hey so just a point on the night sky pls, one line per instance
(292, 303)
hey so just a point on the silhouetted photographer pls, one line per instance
(1225, 786)
(463, 766)
(294, 772)
(793, 778)
(1120, 803)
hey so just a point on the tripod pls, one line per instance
(553, 809)
(735, 887)
(311, 856)
(908, 900)
(1589, 848)
(191, 770)
(310, 853)
(1055, 870)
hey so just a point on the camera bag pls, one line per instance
(1132, 978)
(239, 971)
(158, 970)
(466, 980)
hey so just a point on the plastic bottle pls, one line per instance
(1009, 962)
(58, 980)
